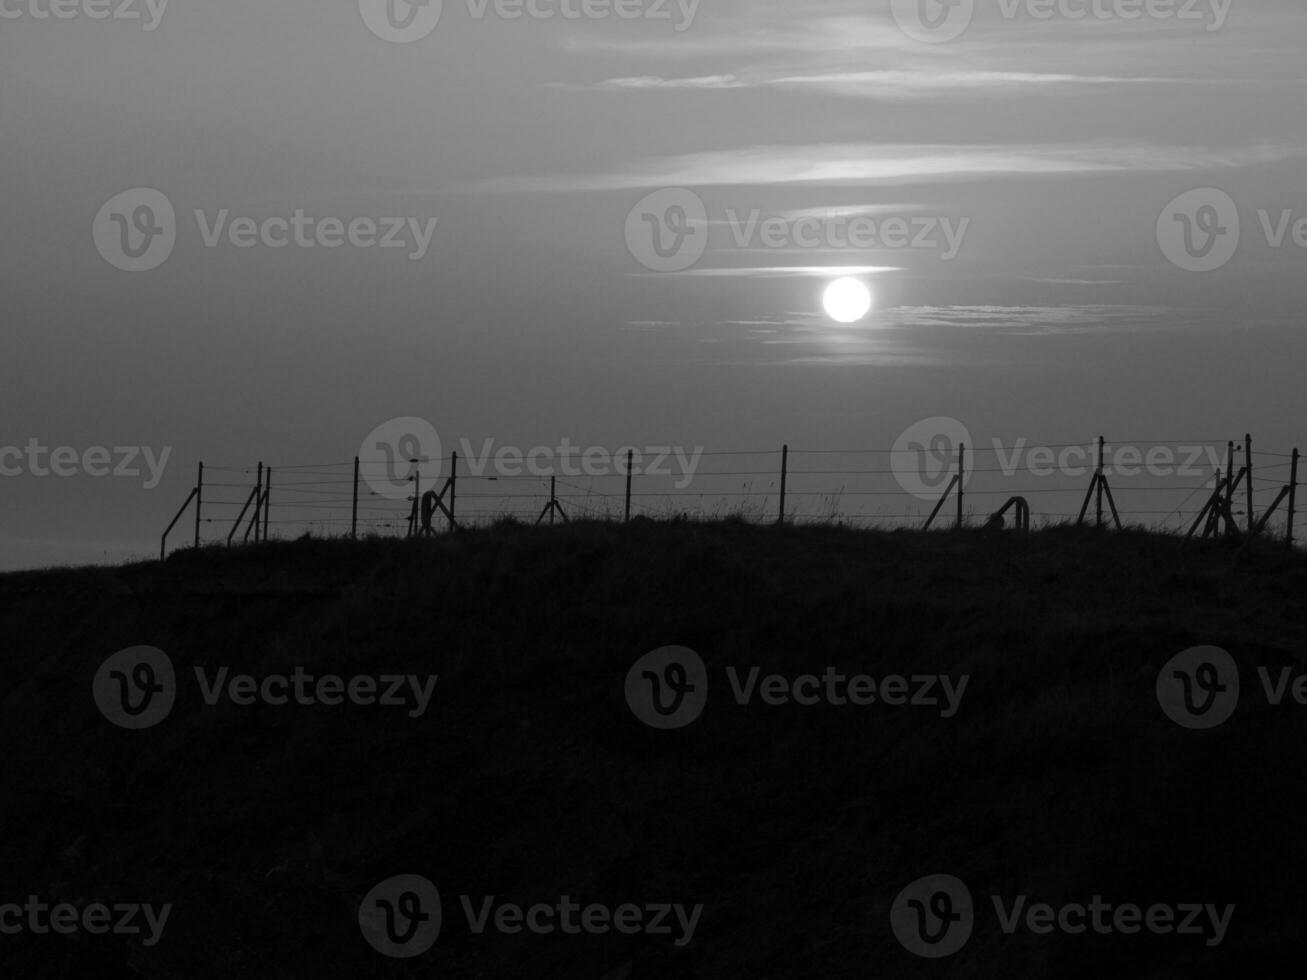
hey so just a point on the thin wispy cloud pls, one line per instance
(882, 85)
(868, 164)
(919, 335)
(1076, 282)
(778, 271)
(844, 211)
(830, 213)
(828, 49)
(780, 32)
(1043, 320)
(648, 82)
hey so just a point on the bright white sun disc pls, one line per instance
(847, 300)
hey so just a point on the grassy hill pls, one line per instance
(529, 777)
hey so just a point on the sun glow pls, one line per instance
(847, 300)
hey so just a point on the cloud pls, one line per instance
(1043, 320)
(867, 164)
(885, 85)
(778, 271)
(1077, 282)
(647, 82)
(784, 31)
(837, 211)
(921, 335)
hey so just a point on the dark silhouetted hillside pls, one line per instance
(529, 777)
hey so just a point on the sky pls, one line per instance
(612, 223)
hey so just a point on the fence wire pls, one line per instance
(1157, 484)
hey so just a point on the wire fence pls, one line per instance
(1157, 484)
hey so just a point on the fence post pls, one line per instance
(354, 510)
(1293, 496)
(785, 470)
(267, 500)
(251, 499)
(256, 518)
(163, 541)
(258, 506)
(1248, 480)
(199, 499)
(1229, 474)
(415, 514)
(962, 448)
(453, 481)
(629, 454)
(1098, 486)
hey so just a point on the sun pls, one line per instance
(847, 300)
